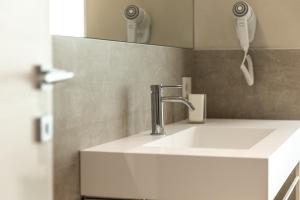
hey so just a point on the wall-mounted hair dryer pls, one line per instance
(245, 29)
(138, 24)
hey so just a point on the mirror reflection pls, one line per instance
(156, 22)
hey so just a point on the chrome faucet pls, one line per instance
(157, 102)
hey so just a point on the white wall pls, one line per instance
(278, 24)
(67, 17)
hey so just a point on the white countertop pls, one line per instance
(283, 130)
(236, 171)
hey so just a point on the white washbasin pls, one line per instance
(213, 137)
(219, 160)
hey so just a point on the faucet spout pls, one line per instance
(157, 106)
(179, 100)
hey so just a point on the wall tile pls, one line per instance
(109, 97)
(275, 94)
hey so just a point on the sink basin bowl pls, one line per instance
(220, 160)
(212, 137)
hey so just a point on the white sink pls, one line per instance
(212, 137)
(220, 160)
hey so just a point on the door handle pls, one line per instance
(50, 76)
(45, 78)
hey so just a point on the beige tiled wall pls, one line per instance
(109, 97)
(275, 94)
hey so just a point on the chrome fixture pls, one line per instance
(47, 76)
(157, 102)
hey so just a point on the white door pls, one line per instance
(25, 164)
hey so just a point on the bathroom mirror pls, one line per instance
(156, 22)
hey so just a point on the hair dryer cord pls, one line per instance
(248, 70)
